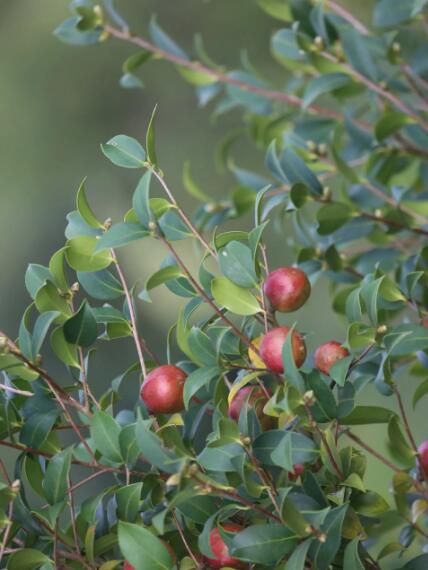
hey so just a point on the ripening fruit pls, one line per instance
(220, 550)
(128, 566)
(287, 289)
(423, 454)
(328, 354)
(298, 469)
(271, 348)
(162, 390)
(257, 398)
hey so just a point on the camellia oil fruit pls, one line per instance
(287, 289)
(328, 354)
(272, 344)
(257, 399)
(162, 390)
(221, 556)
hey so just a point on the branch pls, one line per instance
(210, 302)
(182, 214)
(219, 75)
(131, 313)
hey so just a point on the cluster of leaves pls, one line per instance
(174, 478)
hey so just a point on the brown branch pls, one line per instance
(292, 100)
(210, 302)
(184, 540)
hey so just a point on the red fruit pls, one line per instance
(220, 550)
(128, 566)
(162, 391)
(298, 469)
(257, 397)
(271, 348)
(287, 289)
(328, 354)
(423, 455)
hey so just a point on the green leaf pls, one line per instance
(48, 299)
(332, 216)
(35, 277)
(119, 235)
(65, 351)
(81, 328)
(339, 370)
(325, 552)
(56, 268)
(362, 415)
(275, 8)
(289, 363)
(297, 559)
(37, 428)
(405, 339)
(69, 33)
(164, 42)
(105, 433)
(351, 559)
(128, 501)
(84, 208)
(356, 48)
(198, 380)
(220, 458)
(124, 151)
(196, 77)
(55, 482)
(141, 200)
(369, 504)
(263, 544)
(101, 285)
(296, 171)
(418, 563)
(294, 448)
(164, 275)
(236, 263)
(323, 84)
(152, 448)
(235, 299)
(81, 255)
(191, 185)
(143, 549)
(405, 10)
(420, 391)
(27, 559)
(150, 139)
(390, 123)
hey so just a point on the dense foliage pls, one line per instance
(242, 451)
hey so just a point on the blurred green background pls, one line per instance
(58, 103)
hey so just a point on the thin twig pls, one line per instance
(184, 540)
(201, 292)
(131, 314)
(182, 214)
(320, 432)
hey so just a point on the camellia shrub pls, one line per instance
(242, 451)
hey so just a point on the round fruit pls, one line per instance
(328, 354)
(298, 469)
(423, 455)
(287, 289)
(162, 391)
(221, 551)
(271, 348)
(128, 566)
(256, 397)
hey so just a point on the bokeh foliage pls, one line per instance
(344, 144)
